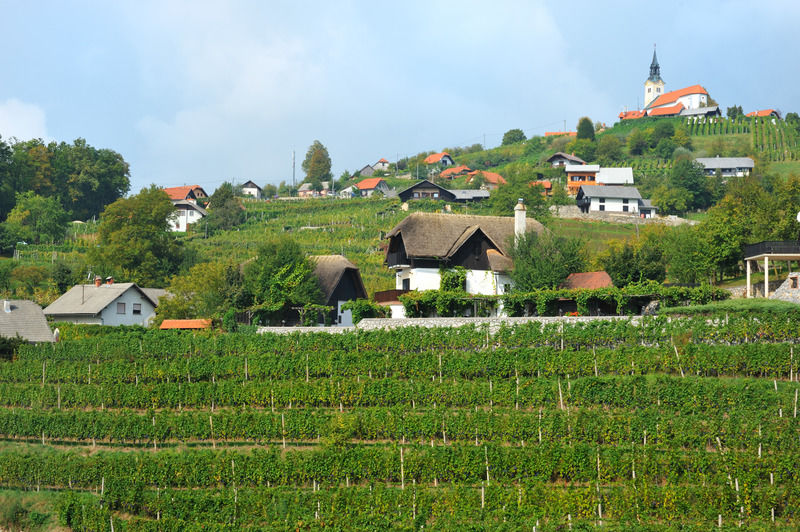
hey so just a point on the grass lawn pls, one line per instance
(738, 306)
(28, 510)
(785, 168)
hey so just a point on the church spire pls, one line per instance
(655, 70)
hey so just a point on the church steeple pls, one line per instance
(655, 70)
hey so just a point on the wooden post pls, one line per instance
(283, 430)
(483, 496)
(486, 454)
(402, 471)
(44, 365)
(211, 425)
(306, 367)
(560, 396)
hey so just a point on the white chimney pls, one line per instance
(519, 219)
(6, 306)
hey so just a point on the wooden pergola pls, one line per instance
(781, 250)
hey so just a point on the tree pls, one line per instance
(503, 199)
(585, 128)
(734, 112)
(36, 219)
(664, 129)
(583, 148)
(512, 136)
(609, 149)
(665, 148)
(637, 142)
(208, 290)
(681, 138)
(545, 260)
(135, 241)
(280, 277)
(671, 200)
(225, 211)
(317, 164)
(689, 175)
(269, 191)
(629, 262)
(685, 251)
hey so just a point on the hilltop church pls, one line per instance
(689, 101)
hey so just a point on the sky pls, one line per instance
(200, 92)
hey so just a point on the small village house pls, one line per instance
(614, 199)
(427, 190)
(251, 189)
(491, 180)
(727, 166)
(382, 165)
(19, 317)
(106, 304)
(340, 282)
(579, 175)
(187, 208)
(368, 187)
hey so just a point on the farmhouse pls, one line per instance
(547, 186)
(251, 189)
(428, 190)
(186, 213)
(383, 165)
(600, 198)
(25, 319)
(727, 166)
(580, 174)
(368, 187)
(563, 159)
(491, 180)
(106, 304)
(425, 243)
(454, 171)
(764, 113)
(340, 281)
(191, 193)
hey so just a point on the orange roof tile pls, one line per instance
(546, 184)
(763, 112)
(455, 170)
(588, 281)
(435, 157)
(383, 161)
(665, 111)
(179, 193)
(672, 96)
(558, 133)
(490, 177)
(185, 324)
(632, 115)
(369, 183)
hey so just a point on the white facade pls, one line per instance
(131, 308)
(184, 215)
(652, 90)
(344, 317)
(381, 165)
(252, 191)
(694, 101)
(614, 205)
(479, 282)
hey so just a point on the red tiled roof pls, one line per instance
(179, 193)
(588, 280)
(666, 111)
(456, 170)
(763, 112)
(185, 324)
(546, 184)
(558, 133)
(672, 96)
(490, 177)
(383, 161)
(435, 157)
(632, 115)
(369, 183)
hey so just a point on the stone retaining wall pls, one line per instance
(574, 213)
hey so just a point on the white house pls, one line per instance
(424, 244)
(186, 213)
(371, 185)
(383, 164)
(340, 282)
(106, 304)
(727, 166)
(605, 198)
(615, 176)
(251, 189)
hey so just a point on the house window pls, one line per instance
(137, 308)
(602, 200)
(120, 308)
(649, 89)
(794, 282)
(406, 284)
(624, 208)
(602, 207)
(624, 201)
(435, 194)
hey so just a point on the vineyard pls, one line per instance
(773, 140)
(655, 423)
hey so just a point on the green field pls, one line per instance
(659, 426)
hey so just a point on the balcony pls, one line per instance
(773, 247)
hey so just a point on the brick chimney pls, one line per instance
(519, 218)
(98, 281)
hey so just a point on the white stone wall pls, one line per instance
(693, 101)
(109, 314)
(419, 278)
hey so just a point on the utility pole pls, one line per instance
(484, 141)
(293, 185)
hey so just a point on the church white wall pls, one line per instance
(693, 101)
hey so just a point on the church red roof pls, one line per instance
(667, 111)
(632, 115)
(672, 96)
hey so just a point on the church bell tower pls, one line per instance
(654, 86)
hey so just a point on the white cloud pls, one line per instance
(22, 120)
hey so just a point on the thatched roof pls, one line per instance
(330, 269)
(440, 235)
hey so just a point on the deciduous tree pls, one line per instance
(317, 164)
(545, 260)
(37, 219)
(585, 128)
(512, 136)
